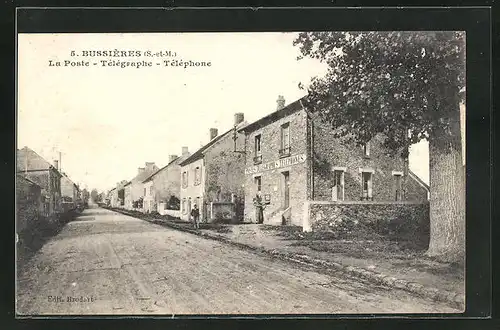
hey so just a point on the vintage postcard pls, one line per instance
(240, 173)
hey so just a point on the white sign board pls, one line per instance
(284, 162)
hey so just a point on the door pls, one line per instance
(286, 188)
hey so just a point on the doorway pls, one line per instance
(286, 190)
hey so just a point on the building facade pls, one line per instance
(162, 188)
(293, 157)
(69, 193)
(33, 167)
(127, 196)
(214, 173)
(30, 207)
(135, 188)
(113, 197)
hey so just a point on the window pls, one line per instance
(198, 202)
(338, 185)
(258, 183)
(258, 151)
(285, 140)
(184, 180)
(197, 176)
(398, 189)
(151, 190)
(366, 149)
(184, 210)
(367, 186)
(144, 191)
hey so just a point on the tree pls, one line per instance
(94, 195)
(408, 87)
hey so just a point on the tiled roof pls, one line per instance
(28, 180)
(420, 181)
(175, 161)
(199, 153)
(30, 160)
(278, 114)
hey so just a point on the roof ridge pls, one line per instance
(418, 179)
(205, 147)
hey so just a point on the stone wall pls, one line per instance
(330, 151)
(222, 212)
(225, 169)
(401, 221)
(167, 182)
(28, 204)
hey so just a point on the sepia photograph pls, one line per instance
(240, 173)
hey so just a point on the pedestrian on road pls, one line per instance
(195, 214)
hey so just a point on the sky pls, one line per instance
(106, 121)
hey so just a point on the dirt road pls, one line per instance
(108, 263)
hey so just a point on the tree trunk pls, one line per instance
(447, 198)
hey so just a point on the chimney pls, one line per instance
(185, 151)
(140, 170)
(213, 133)
(56, 164)
(150, 166)
(238, 118)
(280, 102)
(171, 158)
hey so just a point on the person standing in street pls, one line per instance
(195, 215)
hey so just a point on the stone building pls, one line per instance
(162, 189)
(113, 197)
(293, 157)
(69, 192)
(214, 173)
(127, 196)
(35, 168)
(135, 188)
(29, 204)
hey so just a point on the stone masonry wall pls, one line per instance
(272, 180)
(225, 169)
(167, 183)
(330, 152)
(401, 221)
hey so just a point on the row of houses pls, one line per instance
(284, 159)
(43, 191)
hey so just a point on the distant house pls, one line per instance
(113, 197)
(162, 188)
(30, 207)
(127, 196)
(136, 192)
(69, 192)
(35, 168)
(118, 195)
(214, 173)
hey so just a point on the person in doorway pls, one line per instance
(195, 215)
(259, 208)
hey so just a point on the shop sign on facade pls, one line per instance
(289, 161)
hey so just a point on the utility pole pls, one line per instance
(25, 163)
(60, 164)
